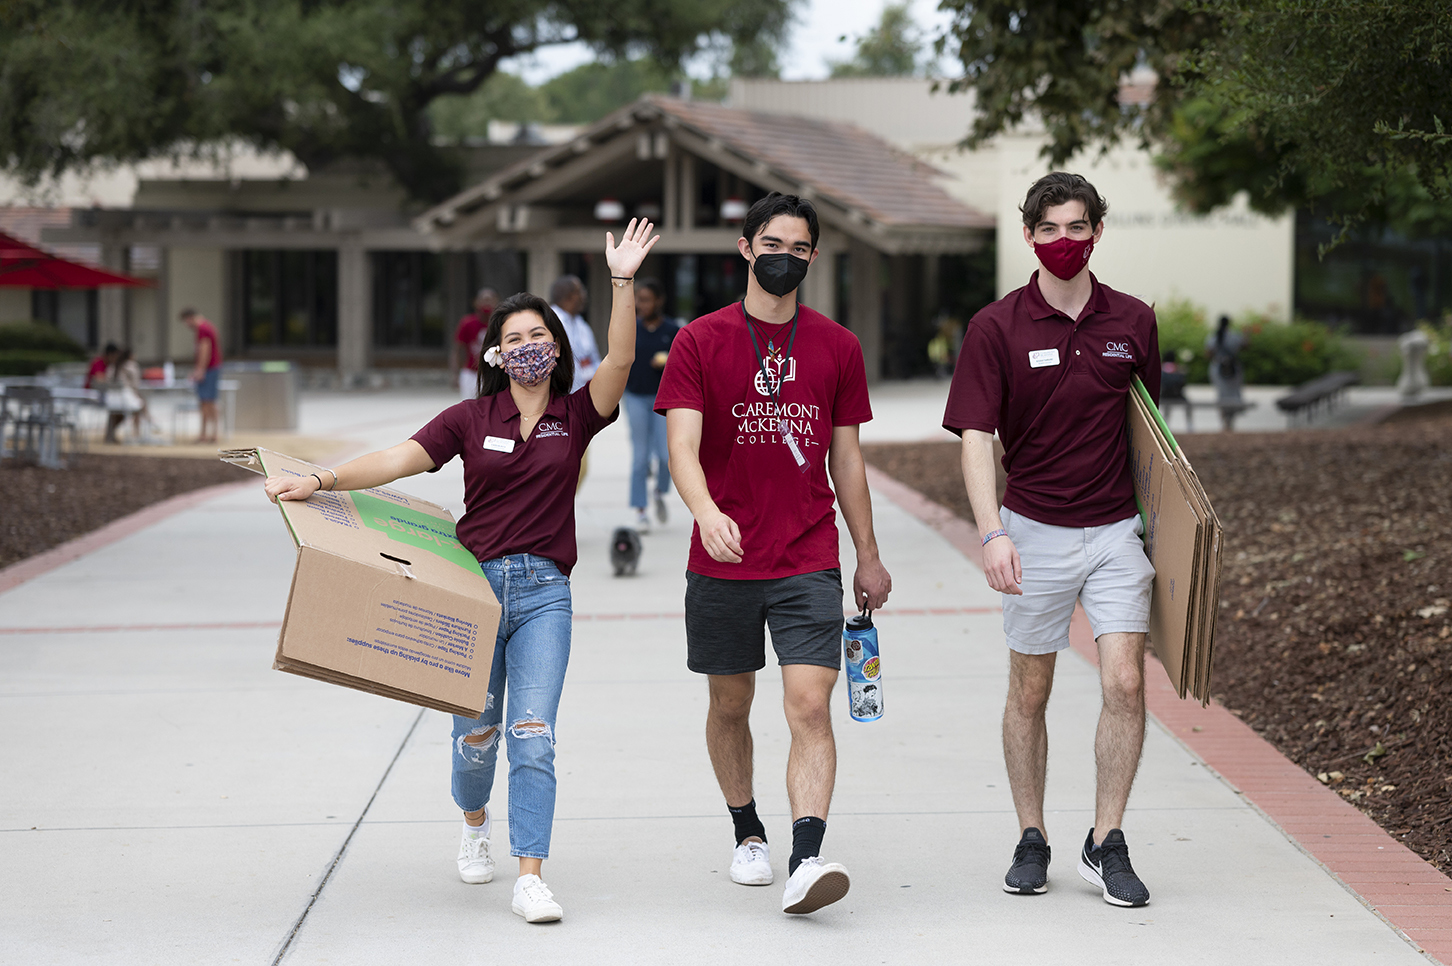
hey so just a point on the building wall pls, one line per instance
(1227, 262)
(196, 277)
(14, 304)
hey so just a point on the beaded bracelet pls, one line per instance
(995, 533)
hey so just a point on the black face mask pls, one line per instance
(780, 272)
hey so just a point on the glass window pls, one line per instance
(290, 297)
(73, 311)
(1377, 281)
(408, 299)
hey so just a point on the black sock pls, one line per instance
(747, 824)
(807, 835)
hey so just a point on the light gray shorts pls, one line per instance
(1105, 568)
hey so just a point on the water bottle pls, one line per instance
(864, 668)
(168, 372)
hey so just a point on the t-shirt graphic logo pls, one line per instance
(769, 381)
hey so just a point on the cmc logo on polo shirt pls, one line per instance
(550, 428)
(1117, 350)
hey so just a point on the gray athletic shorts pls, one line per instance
(726, 621)
(1105, 568)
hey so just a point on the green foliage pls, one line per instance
(590, 91)
(503, 97)
(1340, 104)
(1288, 354)
(86, 81)
(39, 337)
(28, 348)
(893, 48)
(1182, 329)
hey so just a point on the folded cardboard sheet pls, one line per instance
(1183, 539)
(384, 597)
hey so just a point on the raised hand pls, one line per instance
(624, 260)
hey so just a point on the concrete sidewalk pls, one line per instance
(168, 798)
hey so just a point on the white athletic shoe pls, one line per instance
(642, 521)
(476, 865)
(751, 864)
(534, 901)
(815, 884)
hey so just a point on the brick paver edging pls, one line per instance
(1391, 879)
(32, 567)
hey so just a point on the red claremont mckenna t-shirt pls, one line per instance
(786, 515)
(519, 495)
(1055, 389)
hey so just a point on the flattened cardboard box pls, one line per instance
(1183, 541)
(384, 598)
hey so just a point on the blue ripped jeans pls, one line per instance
(531, 651)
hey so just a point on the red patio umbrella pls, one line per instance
(25, 266)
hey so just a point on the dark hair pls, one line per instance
(187, 312)
(775, 204)
(111, 349)
(653, 284)
(1059, 188)
(493, 379)
(1222, 326)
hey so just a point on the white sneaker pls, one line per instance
(751, 864)
(642, 521)
(534, 901)
(476, 865)
(815, 884)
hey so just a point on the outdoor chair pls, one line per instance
(34, 426)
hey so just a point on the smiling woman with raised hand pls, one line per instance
(520, 442)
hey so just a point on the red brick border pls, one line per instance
(32, 567)
(1393, 881)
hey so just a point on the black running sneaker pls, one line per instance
(1107, 866)
(1029, 874)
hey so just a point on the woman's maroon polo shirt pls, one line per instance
(1054, 390)
(521, 501)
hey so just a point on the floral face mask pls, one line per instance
(530, 364)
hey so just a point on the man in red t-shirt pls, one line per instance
(762, 401)
(206, 372)
(464, 350)
(1048, 367)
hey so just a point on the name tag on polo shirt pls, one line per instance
(1039, 358)
(499, 444)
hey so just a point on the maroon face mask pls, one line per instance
(1065, 257)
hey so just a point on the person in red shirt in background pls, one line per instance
(520, 441)
(1048, 367)
(101, 365)
(464, 350)
(206, 372)
(762, 400)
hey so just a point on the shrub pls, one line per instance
(1182, 329)
(1288, 354)
(39, 337)
(29, 362)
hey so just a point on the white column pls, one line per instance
(355, 317)
(543, 268)
(111, 301)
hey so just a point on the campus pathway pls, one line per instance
(168, 798)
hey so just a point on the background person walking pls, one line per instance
(1223, 347)
(654, 334)
(1048, 367)
(762, 400)
(520, 442)
(206, 372)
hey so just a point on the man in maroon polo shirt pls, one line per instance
(1048, 368)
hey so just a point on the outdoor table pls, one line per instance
(179, 393)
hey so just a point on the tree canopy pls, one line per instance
(1341, 104)
(893, 48)
(87, 81)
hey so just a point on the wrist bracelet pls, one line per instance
(995, 533)
(335, 481)
(623, 278)
(318, 478)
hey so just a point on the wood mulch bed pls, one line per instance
(44, 508)
(1335, 638)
